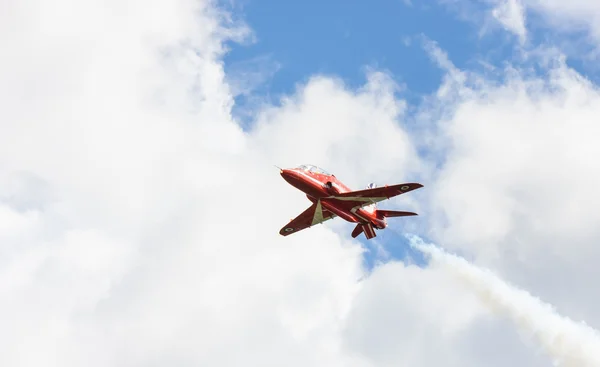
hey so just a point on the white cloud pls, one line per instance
(570, 15)
(245, 76)
(517, 186)
(565, 19)
(489, 14)
(511, 14)
(140, 222)
(517, 189)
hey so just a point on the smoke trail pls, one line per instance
(567, 342)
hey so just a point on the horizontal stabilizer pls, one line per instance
(393, 213)
(368, 230)
(357, 230)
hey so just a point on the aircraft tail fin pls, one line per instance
(393, 213)
(368, 229)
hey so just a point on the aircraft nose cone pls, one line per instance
(288, 174)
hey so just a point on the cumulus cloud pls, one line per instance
(511, 147)
(505, 145)
(139, 223)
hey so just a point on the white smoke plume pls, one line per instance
(567, 342)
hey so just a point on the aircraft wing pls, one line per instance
(368, 196)
(313, 215)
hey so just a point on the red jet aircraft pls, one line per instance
(332, 198)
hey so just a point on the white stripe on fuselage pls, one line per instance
(360, 198)
(317, 181)
(344, 198)
(355, 212)
(311, 178)
(319, 210)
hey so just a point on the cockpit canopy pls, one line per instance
(314, 169)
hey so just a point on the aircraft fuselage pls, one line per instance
(323, 187)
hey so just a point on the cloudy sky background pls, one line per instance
(140, 208)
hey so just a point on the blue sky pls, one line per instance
(341, 38)
(296, 40)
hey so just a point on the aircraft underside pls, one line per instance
(330, 198)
